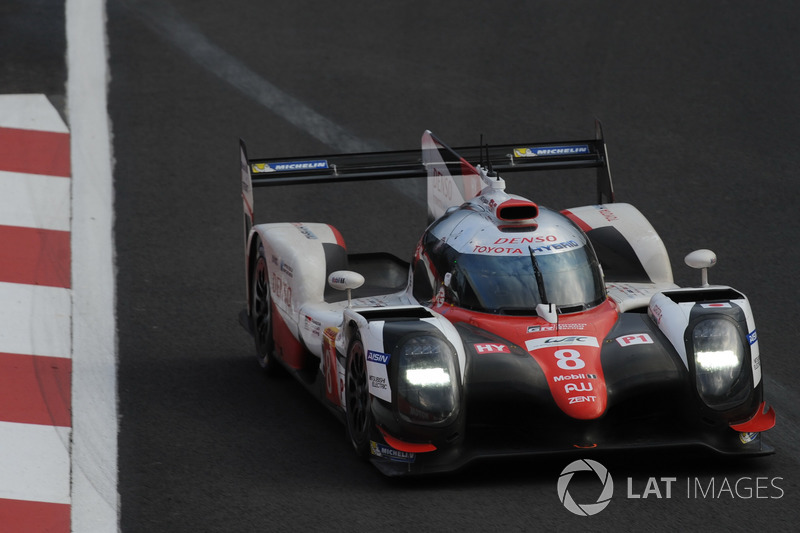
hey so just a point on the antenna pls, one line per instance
(485, 146)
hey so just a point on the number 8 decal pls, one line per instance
(569, 359)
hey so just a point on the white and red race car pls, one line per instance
(515, 329)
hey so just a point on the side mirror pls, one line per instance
(703, 260)
(547, 312)
(345, 280)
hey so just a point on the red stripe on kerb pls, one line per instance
(34, 152)
(35, 390)
(35, 256)
(34, 517)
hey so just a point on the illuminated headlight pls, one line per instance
(719, 354)
(714, 361)
(427, 377)
(427, 384)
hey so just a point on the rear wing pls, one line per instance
(504, 158)
(455, 162)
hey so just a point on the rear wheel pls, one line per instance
(357, 398)
(261, 313)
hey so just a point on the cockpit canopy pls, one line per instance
(503, 269)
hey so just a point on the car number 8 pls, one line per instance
(569, 359)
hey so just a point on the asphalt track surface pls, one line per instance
(699, 104)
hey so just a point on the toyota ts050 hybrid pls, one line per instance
(515, 329)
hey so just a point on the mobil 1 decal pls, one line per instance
(571, 364)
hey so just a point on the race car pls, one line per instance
(514, 329)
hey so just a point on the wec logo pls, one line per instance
(547, 342)
(586, 509)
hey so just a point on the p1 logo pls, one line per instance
(587, 509)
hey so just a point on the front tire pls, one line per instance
(358, 399)
(261, 313)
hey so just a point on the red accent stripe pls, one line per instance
(410, 447)
(35, 256)
(35, 390)
(286, 345)
(467, 169)
(763, 420)
(338, 236)
(34, 152)
(581, 224)
(34, 517)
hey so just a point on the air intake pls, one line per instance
(517, 210)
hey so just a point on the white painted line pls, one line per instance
(170, 25)
(34, 201)
(167, 22)
(34, 462)
(35, 320)
(95, 499)
(30, 112)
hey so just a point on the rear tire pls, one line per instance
(261, 313)
(358, 399)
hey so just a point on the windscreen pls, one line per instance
(509, 285)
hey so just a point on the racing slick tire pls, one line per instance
(358, 400)
(261, 314)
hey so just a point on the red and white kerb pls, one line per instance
(35, 310)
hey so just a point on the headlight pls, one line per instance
(427, 383)
(719, 354)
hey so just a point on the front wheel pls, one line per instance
(261, 313)
(357, 398)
